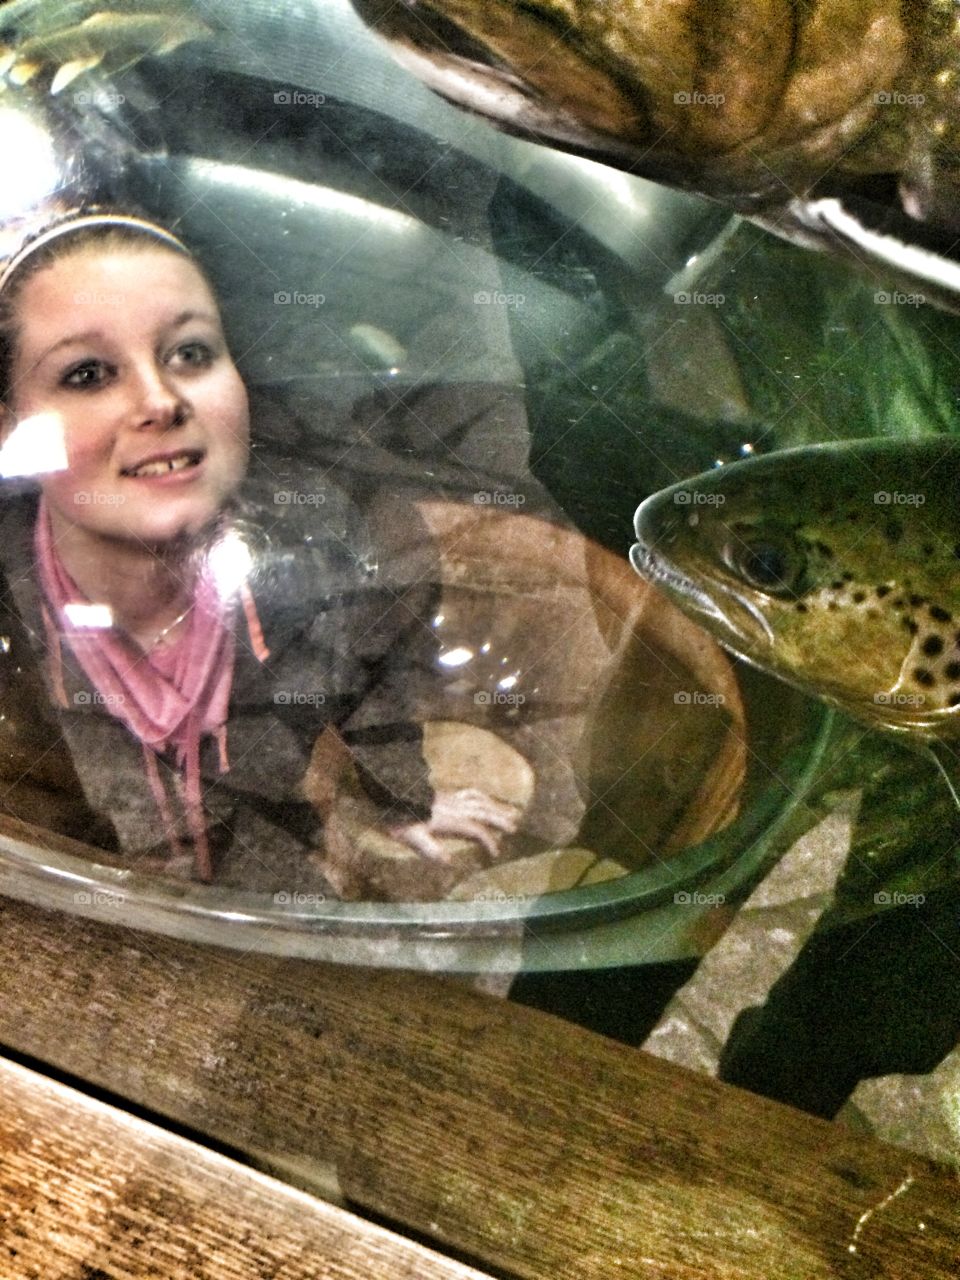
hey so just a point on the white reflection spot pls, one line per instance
(29, 165)
(455, 657)
(90, 616)
(363, 214)
(619, 187)
(507, 682)
(34, 447)
(229, 563)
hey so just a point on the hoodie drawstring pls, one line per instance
(188, 759)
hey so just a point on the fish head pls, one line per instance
(833, 567)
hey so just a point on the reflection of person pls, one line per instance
(145, 601)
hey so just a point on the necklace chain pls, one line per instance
(170, 625)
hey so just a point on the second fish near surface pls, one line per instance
(835, 123)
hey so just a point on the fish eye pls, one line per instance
(769, 566)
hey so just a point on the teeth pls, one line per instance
(162, 466)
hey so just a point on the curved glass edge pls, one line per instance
(596, 925)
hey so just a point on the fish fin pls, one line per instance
(104, 26)
(930, 748)
(69, 71)
(176, 38)
(23, 72)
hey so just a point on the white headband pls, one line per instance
(87, 220)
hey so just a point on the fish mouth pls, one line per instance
(743, 638)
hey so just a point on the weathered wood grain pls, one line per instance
(89, 1191)
(529, 1144)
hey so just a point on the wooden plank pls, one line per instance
(522, 1141)
(87, 1190)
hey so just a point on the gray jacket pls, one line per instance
(348, 648)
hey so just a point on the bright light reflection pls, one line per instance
(229, 563)
(290, 191)
(507, 682)
(455, 657)
(92, 617)
(620, 187)
(34, 447)
(28, 162)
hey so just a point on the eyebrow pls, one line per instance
(89, 335)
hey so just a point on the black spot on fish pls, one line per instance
(915, 600)
(883, 590)
(893, 530)
(952, 671)
(836, 586)
(800, 607)
(859, 597)
(953, 700)
(924, 677)
(932, 646)
(941, 615)
(825, 551)
(911, 626)
(926, 549)
(956, 550)
(832, 605)
(899, 602)
(847, 577)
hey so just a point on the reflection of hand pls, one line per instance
(469, 814)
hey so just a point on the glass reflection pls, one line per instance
(285, 673)
(142, 590)
(323, 635)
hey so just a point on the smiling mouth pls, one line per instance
(164, 466)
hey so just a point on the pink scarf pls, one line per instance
(169, 697)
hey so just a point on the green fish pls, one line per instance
(66, 40)
(835, 567)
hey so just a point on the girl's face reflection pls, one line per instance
(125, 347)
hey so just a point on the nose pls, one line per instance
(158, 399)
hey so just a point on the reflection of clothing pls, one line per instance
(343, 651)
(169, 697)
